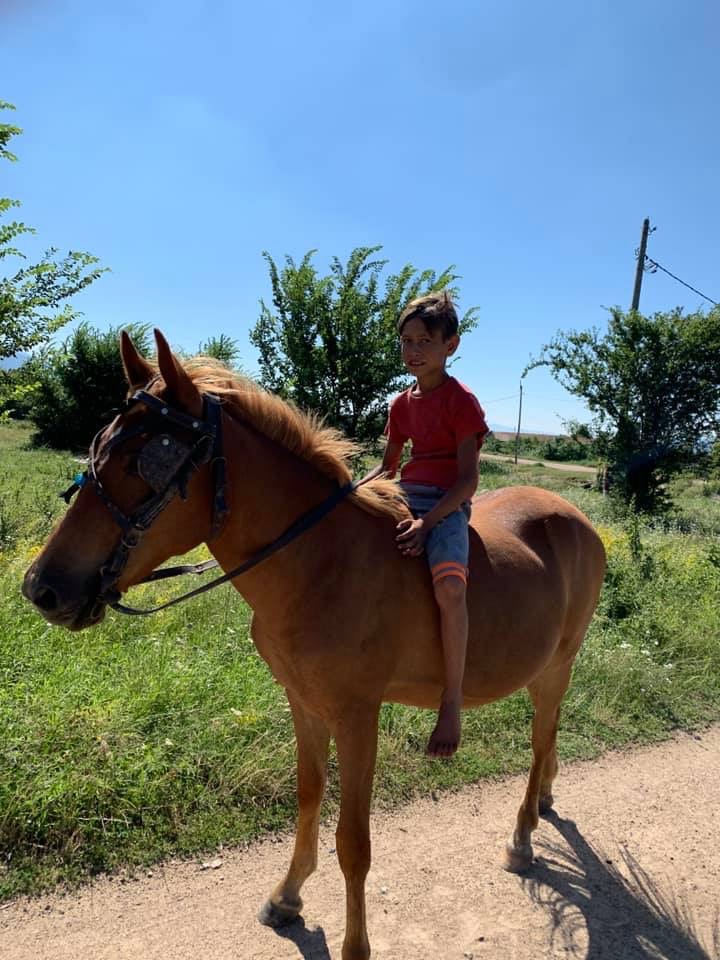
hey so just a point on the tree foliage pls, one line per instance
(33, 298)
(17, 387)
(329, 343)
(222, 348)
(654, 386)
(77, 384)
(70, 391)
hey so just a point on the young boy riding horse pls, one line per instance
(446, 425)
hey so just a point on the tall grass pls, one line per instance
(140, 739)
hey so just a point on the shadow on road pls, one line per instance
(633, 918)
(311, 943)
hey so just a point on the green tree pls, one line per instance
(653, 384)
(222, 348)
(78, 384)
(32, 299)
(17, 387)
(330, 342)
(712, 461)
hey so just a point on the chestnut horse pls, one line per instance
(342, 619)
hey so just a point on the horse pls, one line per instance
(344, 622)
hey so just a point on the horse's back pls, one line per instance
(536, 567)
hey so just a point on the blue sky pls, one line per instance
(522, 142)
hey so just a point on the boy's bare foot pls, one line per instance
(445, 738)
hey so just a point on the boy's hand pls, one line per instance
(411, 537)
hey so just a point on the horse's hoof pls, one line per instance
(278, 915)
(545, 804)
(518, 859)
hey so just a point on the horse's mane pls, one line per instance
(301, 433)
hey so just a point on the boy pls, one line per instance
(446, 425)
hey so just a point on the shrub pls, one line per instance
(78, 384)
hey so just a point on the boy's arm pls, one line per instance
(463, 488)
(413, 533)
(388, 466)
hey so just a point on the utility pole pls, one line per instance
(517, 435)
(640, 264)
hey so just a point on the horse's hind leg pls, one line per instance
(546, 692)
(313, 740)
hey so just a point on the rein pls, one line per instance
(303, 523)
(166, 464)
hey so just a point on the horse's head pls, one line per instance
(147, 494)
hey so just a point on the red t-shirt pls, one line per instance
(436, 422)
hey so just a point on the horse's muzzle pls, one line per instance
(64, 602)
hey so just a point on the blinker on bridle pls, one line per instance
(164, 462)
(166, 465)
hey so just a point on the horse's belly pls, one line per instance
(427, 696)
(508, 646)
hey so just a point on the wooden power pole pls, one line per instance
(640, 264)
(517, 435)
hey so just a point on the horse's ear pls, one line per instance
(137, 370)
(180, 387)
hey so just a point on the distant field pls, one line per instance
(554, 448)
(139, 740)
(510, 436)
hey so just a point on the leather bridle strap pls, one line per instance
(303, 523)
(208, 447)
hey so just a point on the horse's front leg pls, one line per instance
(313, 738)
(356, 739)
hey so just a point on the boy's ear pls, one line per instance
(453, 343)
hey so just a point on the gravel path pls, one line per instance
(627, 868)
(552, 464)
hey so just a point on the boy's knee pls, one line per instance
(450, 590)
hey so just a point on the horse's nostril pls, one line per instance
(45, 599)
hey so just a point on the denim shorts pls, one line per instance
(447, 544)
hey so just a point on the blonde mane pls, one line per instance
(301, 433)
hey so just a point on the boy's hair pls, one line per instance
(437, 312)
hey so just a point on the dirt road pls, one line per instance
(552, 464)
(628, 868)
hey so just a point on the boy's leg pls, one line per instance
(447, 550)
(451, 599)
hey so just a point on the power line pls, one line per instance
(654, 265)
(499, 399)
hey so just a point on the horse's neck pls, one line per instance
(269, 488)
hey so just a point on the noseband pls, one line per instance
(166, 464)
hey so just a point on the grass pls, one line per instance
(30, 481)
(138, 740)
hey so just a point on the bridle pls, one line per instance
(166, 464)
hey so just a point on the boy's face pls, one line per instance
(424, 353)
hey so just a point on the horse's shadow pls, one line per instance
(633, 918)
(584, 892)
(311, 943)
